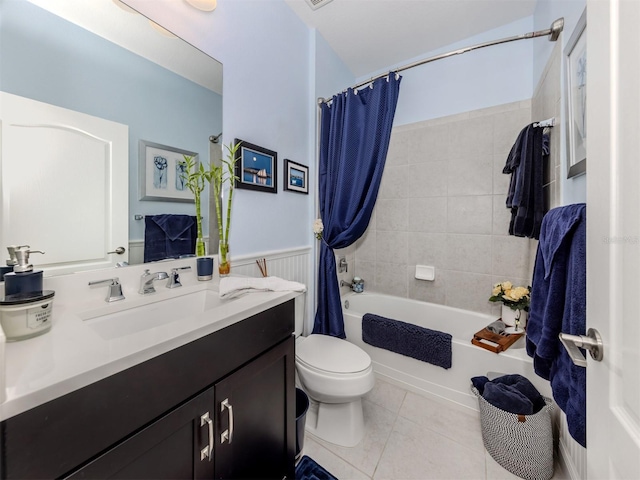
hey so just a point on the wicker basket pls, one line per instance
(522, 444)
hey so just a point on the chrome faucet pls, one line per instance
(147, 279)
(115, 289)
(174, 277)
(343, 266)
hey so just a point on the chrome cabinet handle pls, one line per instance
(592, 342)
(208, 450)
(227, 434)
(119, 251)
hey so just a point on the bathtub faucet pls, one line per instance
(345, 284)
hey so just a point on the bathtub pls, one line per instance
(467, 360)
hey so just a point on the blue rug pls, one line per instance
(308, 469)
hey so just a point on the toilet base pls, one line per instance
(338, 423)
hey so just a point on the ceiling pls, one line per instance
(372, 35)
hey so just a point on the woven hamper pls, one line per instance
(522, 444)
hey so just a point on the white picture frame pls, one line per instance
(576, 99)
(159, 173)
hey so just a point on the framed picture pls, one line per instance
(160, 173)
(296, 177)
(576, 99)
(256, 168)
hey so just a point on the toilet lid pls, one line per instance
(332, 354)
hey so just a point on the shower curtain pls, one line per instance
(354, 140)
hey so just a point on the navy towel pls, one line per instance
(525, 197)
(407, 339)
(511, 393)
(308, 469)
(169, 236)
(558, 304)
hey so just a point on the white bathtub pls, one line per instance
(467, 359)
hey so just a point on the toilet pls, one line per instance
(335, 374)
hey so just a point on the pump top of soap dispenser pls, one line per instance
(22, 257)
(12, 255)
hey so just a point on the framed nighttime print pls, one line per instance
(256, 168)
(296, 177)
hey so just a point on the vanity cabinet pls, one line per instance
(233, 390)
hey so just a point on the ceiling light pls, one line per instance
(204, 5)
(161, 30)
(124, 6)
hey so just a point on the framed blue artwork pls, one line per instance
(256, 168)
(296, 177)
(161, 173)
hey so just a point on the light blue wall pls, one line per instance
(478, 79)
(332, 75)
(264, 48)
(574, 190)
(53, 61)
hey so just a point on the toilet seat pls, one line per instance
(327, 354)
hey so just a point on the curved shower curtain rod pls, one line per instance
(552, 32)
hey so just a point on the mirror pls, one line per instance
(102, 60)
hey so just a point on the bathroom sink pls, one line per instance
(158, 312)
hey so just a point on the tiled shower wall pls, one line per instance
(442, 203)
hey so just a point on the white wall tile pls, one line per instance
(470, 176)
(427, 180)
(469, 253)
(394, 182)
(443, 199)
(391, 214)
(392, 247)
(427, 291)
(427, 215)
(470, 214)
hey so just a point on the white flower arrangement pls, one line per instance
(318, 228)
(516, 298)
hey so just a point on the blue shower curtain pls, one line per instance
(354, 140)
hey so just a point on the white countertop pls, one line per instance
(73, 354)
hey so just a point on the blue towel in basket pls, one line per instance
(407, 339)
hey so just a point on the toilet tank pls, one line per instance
(300, 302)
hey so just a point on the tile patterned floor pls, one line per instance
(411, 437)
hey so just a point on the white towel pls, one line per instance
(234, 286)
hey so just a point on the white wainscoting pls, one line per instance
(572, 455)
(293, 264)
(290, 264)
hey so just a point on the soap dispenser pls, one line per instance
(23, 279)
(10, 262)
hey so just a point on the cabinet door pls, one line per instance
(255, 418)
(170, 448)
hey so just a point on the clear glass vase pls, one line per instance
(200, 247)
(224, 260)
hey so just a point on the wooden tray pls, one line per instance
(494, 342)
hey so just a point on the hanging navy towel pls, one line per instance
(558, 304)
(169, 236)
(525, 164)
(407, 339)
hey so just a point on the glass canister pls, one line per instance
(26, 315)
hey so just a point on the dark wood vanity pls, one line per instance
(232, 390)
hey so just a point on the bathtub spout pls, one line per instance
(345, 284)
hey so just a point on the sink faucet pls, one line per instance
(115, 288)
(147, 279)
(174, 277)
